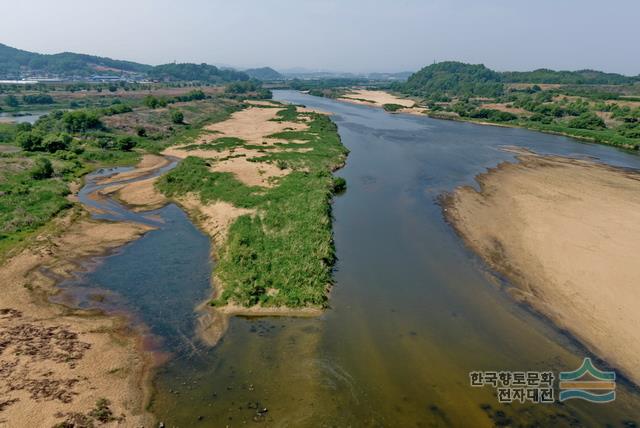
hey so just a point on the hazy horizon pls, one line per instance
(350, 36)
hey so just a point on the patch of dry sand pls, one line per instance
(251, 173)
(214, 218)
(147, 164)
(564, 232)
(253, 125)
(55, 361)
(139, 195)
(377, 98)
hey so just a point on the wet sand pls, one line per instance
(564, 232)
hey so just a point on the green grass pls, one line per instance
(392, 107)
(28, 204)
(283, 255)
(220, 144)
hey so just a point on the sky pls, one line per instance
(337, 35)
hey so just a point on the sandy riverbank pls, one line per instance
(55, 362)
(379, 99)
(564, 232)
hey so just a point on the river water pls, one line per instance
(412, 310)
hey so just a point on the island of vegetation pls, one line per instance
(270, 166)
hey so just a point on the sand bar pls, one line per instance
(565, 233)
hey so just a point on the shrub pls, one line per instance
(587, 121)
(42, 169)
(29, 141)
(392, 107)
(339, 185)
(79, 121)
(54, 142)
(177, 117)
(38, 99)
(11, 101)
(125, 144)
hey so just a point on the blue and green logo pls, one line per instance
(588, 383)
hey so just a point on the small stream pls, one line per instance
(412, 311)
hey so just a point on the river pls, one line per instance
(412, 311)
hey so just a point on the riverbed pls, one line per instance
(412, 311)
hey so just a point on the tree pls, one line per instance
(151, 101)
(177, 117)
(29, 141)
(125, 144)
(38, 99)
(42, 169)
(54, 142)
(78, 121)
(12, 101)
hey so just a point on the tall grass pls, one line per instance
(283, 255)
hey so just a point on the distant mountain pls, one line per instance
(305, 74)
(15, 63)
(580, 77)
(264, 73)
(454, 78)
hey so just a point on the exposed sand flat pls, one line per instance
(179, 152)
(253, 125)
(377, 98)
(565, 233)
(55, 361)
(147, 164)
(251, 173)
(215, 218)
(140, 195)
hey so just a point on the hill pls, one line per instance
(454, 79)
(580, 77)
(15, 63)
(264, 73)
(195, 72)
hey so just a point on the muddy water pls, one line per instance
(412, 311)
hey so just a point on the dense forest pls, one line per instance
(453, 78)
